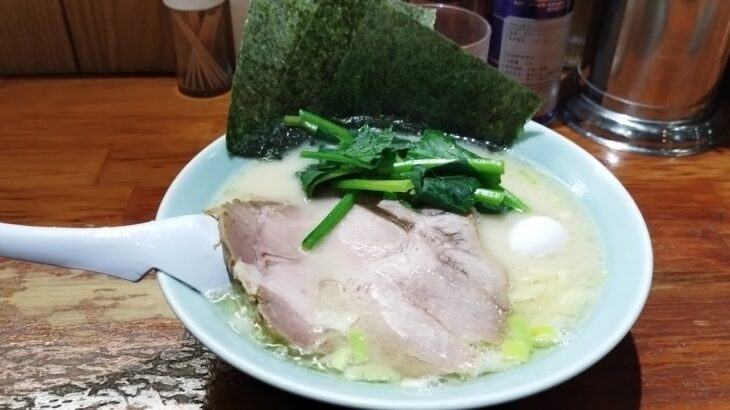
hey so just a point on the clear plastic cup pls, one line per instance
(467, 29)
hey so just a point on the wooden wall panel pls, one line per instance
(33, 38)
(121, 35)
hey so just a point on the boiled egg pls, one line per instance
(538, 236)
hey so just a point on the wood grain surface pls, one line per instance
(113, 36)
(92, 152)
(33, 38)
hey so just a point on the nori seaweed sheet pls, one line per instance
(293, 51)
(289, 56)
(425, 16)
(272, 32)
(313, 64)
(395, 66)
(288, 60)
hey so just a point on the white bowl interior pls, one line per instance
(628, 262)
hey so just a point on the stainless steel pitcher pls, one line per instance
(649, 77)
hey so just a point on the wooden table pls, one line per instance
(95, 152)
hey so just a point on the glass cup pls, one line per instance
(467, 29)
(480, 7)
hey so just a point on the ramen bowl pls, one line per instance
(628, 263)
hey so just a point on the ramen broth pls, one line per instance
(552, 292)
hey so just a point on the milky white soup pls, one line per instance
(551, 255)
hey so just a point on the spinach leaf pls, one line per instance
(457, 167)
(453, 193)
(367, 146)
(433, 172)
(400, 144)
(462, 167)
(316, 174)
(436, 144)
(385, 164)
(491, 209)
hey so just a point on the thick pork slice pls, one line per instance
(420, 286)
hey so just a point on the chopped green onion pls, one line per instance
(329, 222)
(381, 185)
(340, 358)
(358, 347)
(518, 328)
(543, 336)
(516, 350)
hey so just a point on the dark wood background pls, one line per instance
(95, 36)
(85, 36)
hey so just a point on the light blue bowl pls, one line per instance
(629, 265)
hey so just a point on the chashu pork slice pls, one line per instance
(420, 286)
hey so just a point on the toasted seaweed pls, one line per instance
(301, 54)
(395, 66)
(313, 64)
(424, 16)
(289, 57)
(273, 30)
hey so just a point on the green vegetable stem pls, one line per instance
(487, 166)
(490, 197)
(395, 185)
(316, 125)
(329, 222)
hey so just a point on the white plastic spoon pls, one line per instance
(185, 247)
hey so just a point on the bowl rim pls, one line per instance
(305, 389)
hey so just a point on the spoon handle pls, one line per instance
(184, 247)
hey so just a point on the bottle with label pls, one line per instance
(529, 41)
